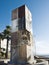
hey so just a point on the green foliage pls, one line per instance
(6, 32)
(6, 35)
(1, 36)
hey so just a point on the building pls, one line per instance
(21, 37)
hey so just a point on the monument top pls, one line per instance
(21, 19)
(20, 12)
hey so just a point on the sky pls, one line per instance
(40, 20)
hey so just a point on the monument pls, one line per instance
(22, 36)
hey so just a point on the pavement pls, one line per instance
(2, 63)
(4, 60)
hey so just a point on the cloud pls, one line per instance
(42, 47)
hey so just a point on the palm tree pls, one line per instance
(6, 33)
(1, 38)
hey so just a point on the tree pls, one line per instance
(6, 33)
(0, 42)
(1, 38)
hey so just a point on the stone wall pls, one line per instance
(21, 47)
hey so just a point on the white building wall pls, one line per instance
(4, 43)
(14, 25)
(28, 20)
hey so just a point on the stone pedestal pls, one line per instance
(22, 47)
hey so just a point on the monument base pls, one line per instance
(20, 64)
(22, 48)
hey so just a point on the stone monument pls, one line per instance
(22, 36)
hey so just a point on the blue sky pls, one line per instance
(40, 16)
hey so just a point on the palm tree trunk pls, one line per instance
(0, 45)
(0, 48)
(7, 49)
